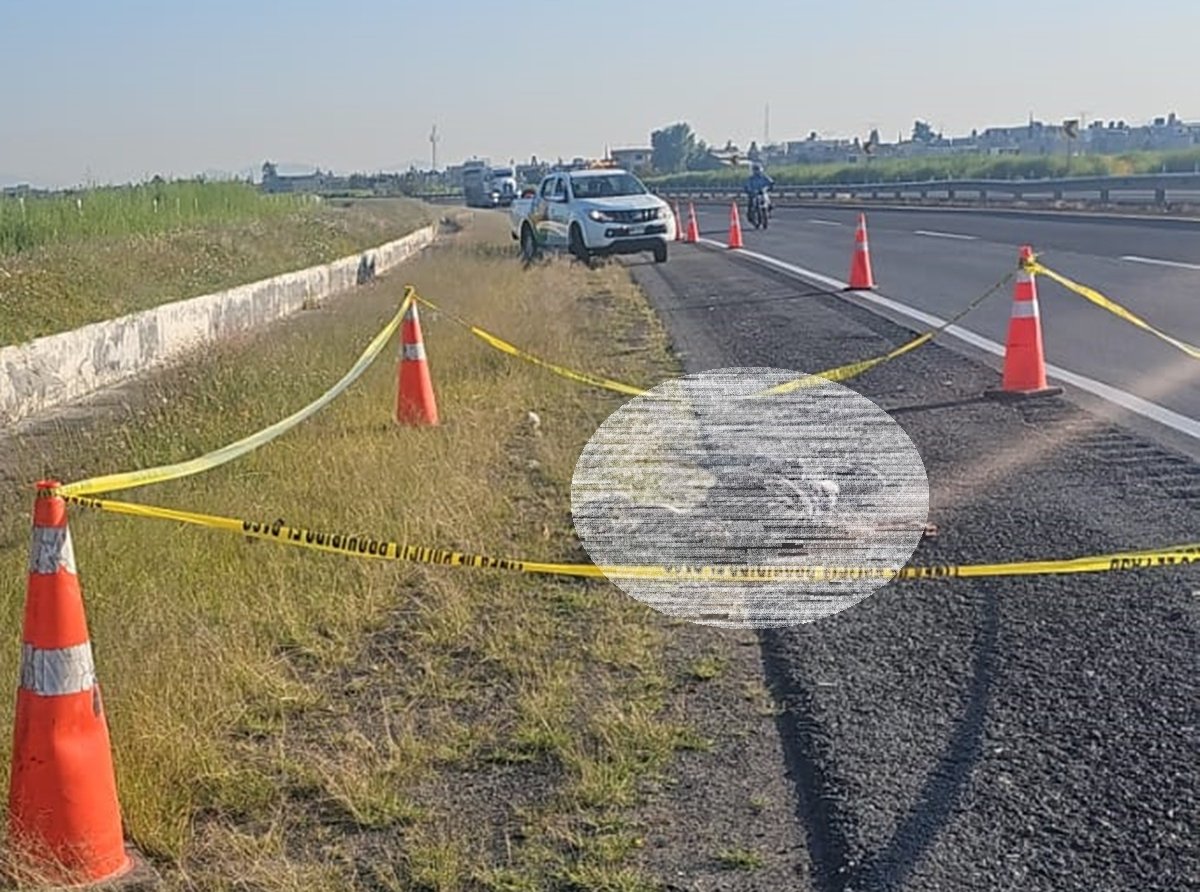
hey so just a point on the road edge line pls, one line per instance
(1128, 401)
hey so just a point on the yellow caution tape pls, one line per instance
(841, 373)
(505, 347)
(854, 369)
(356, 545)
(845, 372)
(130, 479)
(1112, 306)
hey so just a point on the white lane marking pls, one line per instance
(954, 235)
(826, 222)
(1150, 260)
(1145, 408)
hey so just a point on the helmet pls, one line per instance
(756, 167)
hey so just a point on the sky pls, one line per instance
(120, 91)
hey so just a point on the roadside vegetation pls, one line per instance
(949, 167)
(143, 209)
(69, 260)
(283, 719)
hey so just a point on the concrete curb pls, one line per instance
(60, 368)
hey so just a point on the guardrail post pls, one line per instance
(1104, 196)
(1160, 196)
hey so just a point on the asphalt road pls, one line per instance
(939, 261)
(1029, 733)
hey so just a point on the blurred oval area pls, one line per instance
(708, 470)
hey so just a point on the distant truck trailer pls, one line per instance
(487, 187)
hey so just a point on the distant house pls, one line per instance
(315, 182)
(635, 160)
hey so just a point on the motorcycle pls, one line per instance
(760, 209)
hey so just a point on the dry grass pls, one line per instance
(60, 287)
(276, 713)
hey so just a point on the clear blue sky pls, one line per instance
(122, 90)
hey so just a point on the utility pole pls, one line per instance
(767, 126)
(434, 139)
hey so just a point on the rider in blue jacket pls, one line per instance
(757, 181)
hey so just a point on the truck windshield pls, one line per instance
(606, 185)
(502, 172)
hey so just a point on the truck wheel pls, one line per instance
(529, 248)
(578, 249)
(660, 252)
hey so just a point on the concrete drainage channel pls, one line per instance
(51, 371)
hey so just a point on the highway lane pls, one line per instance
(938, 261)
(1033, 733)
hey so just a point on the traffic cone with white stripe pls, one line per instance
(693, 230)
(735, 227)
(861, 277)
(64, 820)
(678, 223)
(1024, 358)
(415, 403)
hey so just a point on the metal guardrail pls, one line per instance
(438, 196)
(1100, 187)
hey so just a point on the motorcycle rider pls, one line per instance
(757, 182)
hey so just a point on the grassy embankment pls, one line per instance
(289, 720)
(950, 167)
(70, 260)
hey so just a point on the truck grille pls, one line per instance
(639, 216)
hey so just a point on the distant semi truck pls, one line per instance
(488, 187)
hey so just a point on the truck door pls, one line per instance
(559, 212)
(543, 225)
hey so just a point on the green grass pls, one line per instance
(123, 264)
(141, 210)
(740, 859)
(254, 728)
(707, 667)
(965, 166)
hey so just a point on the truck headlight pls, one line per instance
(599, 216)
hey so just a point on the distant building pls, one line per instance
(820, 151)
(315, 182)
(636, 160)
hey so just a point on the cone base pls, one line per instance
(136, 875)
(139, 877)
(1014, 396)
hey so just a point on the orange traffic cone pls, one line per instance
(64, 821)
(1024, 358)
(415, 404)
(693, 230)
(678, 223)
(861, 278)
(735, 227)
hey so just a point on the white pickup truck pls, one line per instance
(593, 212)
